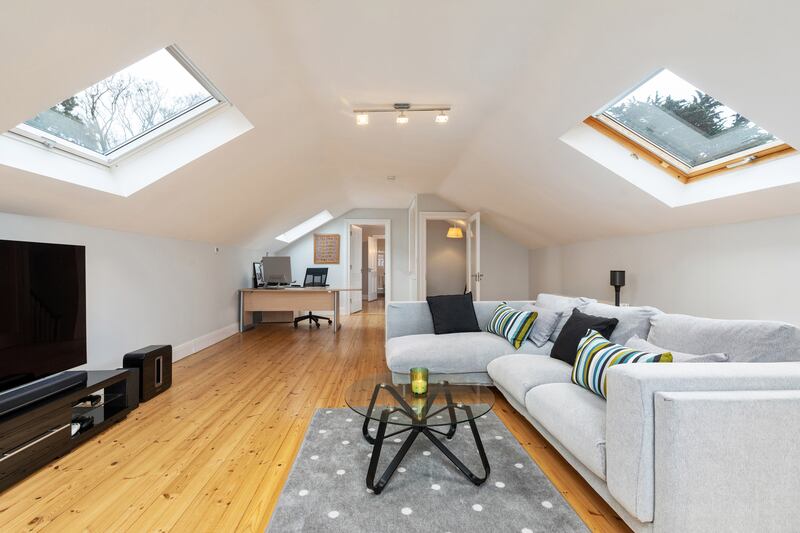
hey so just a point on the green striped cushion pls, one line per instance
(596, 354)
(512, 324)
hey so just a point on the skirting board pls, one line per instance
(195, 345)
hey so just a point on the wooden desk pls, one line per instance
(288, 299)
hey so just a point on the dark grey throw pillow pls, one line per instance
(453, 313)
(565, 347)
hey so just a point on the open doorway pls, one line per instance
(368, 260)
(448, 249)
(446, 257)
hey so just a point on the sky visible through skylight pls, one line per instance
(125, 105)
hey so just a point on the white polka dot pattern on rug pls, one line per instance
(406, 511)
(401, 469)
(526, 530)
(314, 457)
(498, 437)
(547, 505)
(328, 412)
(348, 419)
(397, 440)
(426, 453)
(518, 465)
(477, 507)
(436, 486)
(500, 485)
(322, 431)
(345, 442)
(340, 472)
(333, 514)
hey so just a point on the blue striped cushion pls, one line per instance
(512, 324)
(596, 355)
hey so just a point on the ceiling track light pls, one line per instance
(402, 110)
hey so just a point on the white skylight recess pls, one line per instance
(305, 227)
(685, 130)
(128, 109)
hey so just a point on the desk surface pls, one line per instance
(303, 289)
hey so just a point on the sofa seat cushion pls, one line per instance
(517, 374)
(574, 416)
(455, 353)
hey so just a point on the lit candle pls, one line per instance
(419, 380)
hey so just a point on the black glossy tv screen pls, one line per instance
(42, 310)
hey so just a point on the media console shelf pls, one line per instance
(36, 434)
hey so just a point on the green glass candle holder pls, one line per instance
(419, 381)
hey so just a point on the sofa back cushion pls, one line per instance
(562, 304)
(414, 318)
(632, 320)
(743, 341)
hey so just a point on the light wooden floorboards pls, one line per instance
(212, 453)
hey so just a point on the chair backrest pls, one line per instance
(316, 277)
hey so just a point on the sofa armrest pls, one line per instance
(408, 318)
(630, 423)
(727, 461)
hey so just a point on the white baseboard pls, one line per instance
(200, 343)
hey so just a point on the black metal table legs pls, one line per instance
(418, 425)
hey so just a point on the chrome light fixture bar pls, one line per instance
(402, 110)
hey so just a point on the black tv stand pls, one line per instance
(40, 389)
(33, 435)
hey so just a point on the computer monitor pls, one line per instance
(316, 277)
(277, 270)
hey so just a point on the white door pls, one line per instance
(355, 269)
(372, 265)
(474, 274)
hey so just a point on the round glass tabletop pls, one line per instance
(444, 404)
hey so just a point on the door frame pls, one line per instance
(422, 240)
(387, 225)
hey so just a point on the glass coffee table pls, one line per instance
(436, 415)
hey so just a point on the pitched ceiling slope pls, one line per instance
(519, 74)
(544, 192)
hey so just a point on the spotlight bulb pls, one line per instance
(402, 118)
(362, 119)
(442, 118)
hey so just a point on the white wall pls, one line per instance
(446, 260)
(302, 250)
(144, 290)
(749, 270)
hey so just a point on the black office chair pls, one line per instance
(315, 277)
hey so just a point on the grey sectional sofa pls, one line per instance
(681, 447)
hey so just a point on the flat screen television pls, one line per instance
(42, 310)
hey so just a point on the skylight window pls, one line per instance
(304, 227)
(684, 130)
(125, 110)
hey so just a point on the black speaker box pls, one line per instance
(155, 369)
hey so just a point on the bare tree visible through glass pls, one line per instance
(125, 105)
(685, 122)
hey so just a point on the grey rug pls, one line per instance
(326, 489)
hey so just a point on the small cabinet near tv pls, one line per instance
(34, 435)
